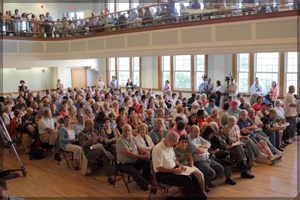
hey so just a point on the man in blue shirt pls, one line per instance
(255, 91)
(211, 105)
(205, 87)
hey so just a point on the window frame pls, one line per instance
(196, 71)
(266, 72)
(182, 71)
(110, 67)
(120, 71)
(285, 90)
(136, 71)
(240, 72)
(165, 71)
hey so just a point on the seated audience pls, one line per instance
(199, 147)
(16, 132)
(68, 140)
(257, 105)
(168, 169)
(211, 105)
(132, 158)
(202, 121)
(180, 113)
(263, 110)
(90, 139)
(133, 122)
(234, 110)
(192, 121)
(214, 117)
(224, 114)
(150, 120)
(7, 115)
(179, 127)
(110, 136)
(143, 139)
(158, 133)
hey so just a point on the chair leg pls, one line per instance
(66, 159)
(125, 181)
(92, 172)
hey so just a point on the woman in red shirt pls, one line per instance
(257, 105)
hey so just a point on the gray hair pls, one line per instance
(88, 109)
(173, 135)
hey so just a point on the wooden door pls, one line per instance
(79, 77)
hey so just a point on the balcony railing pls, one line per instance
(118, 21)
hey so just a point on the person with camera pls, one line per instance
(233, 88)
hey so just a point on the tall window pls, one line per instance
(166, 68)
(111, 6)
(291, 70)
(135, 3)
(243, 72)
(112, 67)
(123, 5)
(200, 69)
(136, 70)
(267, 65)
(182, 70)
(124, 70)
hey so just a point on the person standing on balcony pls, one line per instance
(16, 22)
(48, 22)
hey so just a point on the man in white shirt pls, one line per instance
(255, 91)
(169, 171)
(48, 133)
(290, 112)
(48, 19)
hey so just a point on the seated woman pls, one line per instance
(64, 111)
(98, 122)
(143, 139)
(88, 114)
(184, 156)
(257, 105)
(142, 114)
(68, 140)
(23, 108)
(7, 115)
(110, 136)
(72, 114)
(192, 121)
(161, 115)
(15, 130)
(120, 121)
(179, 109)
(133, 122)
(246, 127)
(214, 117)
(263, 110)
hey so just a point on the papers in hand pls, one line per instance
(189, 171)
(236, 143)
(286, 124)
(96, 146)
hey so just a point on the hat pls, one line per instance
(212, 100)
(195, 103)
(178, 106)
(234, 102)
(183, 137)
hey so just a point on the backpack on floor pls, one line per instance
(36, 152)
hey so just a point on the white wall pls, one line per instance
(34, 78)
(149, 70)
(91, 77)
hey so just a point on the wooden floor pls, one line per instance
(47, 179)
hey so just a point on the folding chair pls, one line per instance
(67, 158)
(161, 186)
(122, 176)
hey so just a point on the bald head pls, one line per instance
(126, 131)
(195, 131)
(89, 125)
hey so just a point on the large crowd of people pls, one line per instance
(190, 141)
(44, 24)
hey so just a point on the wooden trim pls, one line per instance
(106, 5)
(206, 64)
(130, 4)
(193, 72)
(115, 5)
(107, 71)
(131, 68)
(159, 67)
(271, 15)
(251, 68)
(140, 71)
(234, 66)
(281, 73)
(172, 72)
(116, 68)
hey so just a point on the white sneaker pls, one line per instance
(294, 138)
(290, 140)
(279, 152)
(275, 157)
(276, 161)
(261, 155)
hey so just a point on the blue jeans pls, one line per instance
(274, 137)
(292, 128)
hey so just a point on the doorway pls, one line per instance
(79, 78)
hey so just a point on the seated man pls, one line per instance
(149, 120)
(234, 110)
(28, 121)
(90, 140)
(79, 126)
(211, 105)
(271, 129)
(168, 170)
(224, 114)
(158, 133)
(47, 131)
(199, 147)
(132, 158)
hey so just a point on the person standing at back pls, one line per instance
(255, 91)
